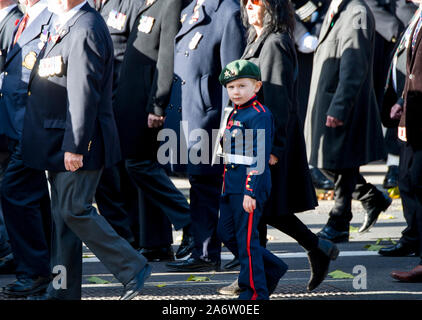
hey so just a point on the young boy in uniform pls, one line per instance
(247, 144)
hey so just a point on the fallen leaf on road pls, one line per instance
(373, 247)
(196, 278)
(353, 229)
(384, 216)
(338, 274)
(161, 285)
(97, 280)
(394, 193)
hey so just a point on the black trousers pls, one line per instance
(350, 184)
(4, 160)
(27, 214)
(204, 205)
(162, 203)
(410, 186)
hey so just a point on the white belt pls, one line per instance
(238, 159)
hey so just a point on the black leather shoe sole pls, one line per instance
(24, 293)
(232, 264)
(188, 265)
(372, 217)
(396, 252)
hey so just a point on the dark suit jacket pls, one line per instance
(17, 70)
(7, 26)
(70, 109)
(202, 49)
(120, 17)
(412, 93)
(146, 77)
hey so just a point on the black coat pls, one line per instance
(292, 189)
(69, 108)
(120, 17)
(146, 76)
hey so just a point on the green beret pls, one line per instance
(239, 69)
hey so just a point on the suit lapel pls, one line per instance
(411, 51)
(329, 22)
(30, 33)
(252, 49)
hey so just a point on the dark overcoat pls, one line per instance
(146, 76)
(342, 87)
(292, 189)
(69, 98)
(202, 49)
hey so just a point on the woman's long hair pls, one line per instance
(278, 17)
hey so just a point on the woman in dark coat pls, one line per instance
(271, 47)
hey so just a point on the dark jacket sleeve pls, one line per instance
(88, 59)
(355, 61)
(262, 125)
(277, 70)
(163, 77)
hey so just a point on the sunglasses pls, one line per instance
(254, 2)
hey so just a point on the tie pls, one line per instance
(21, 27)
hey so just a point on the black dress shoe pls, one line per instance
(158, 254)
(134, 287)
(319, 259)
(24, 287)
(329, 233)
(320, 181)
(391, 179)
(187, 244)
(232, 264)
(193, 264)
(398, 250)
(7, 265)
(372, 213)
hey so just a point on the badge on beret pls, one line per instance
(116, 20)
(146, 23)
(29, 60)
(195, 41)
(50, 66)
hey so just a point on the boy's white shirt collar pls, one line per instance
(35, 10)
(5, 11)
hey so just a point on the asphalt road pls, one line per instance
(368, 273)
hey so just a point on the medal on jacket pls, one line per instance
(50, 66)
(116, 20)
(146, 24)
(193, 44)
(183, 18)
(43, 38)
(29, 60)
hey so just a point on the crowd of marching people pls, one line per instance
(257, 103)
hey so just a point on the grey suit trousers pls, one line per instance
(77, 221)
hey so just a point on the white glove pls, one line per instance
(307, 43)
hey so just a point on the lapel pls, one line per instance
(30, 33)
(6, 19)
(328, 23)
(410, 56)
(253, 48)
(64, 30)
(210, 5)
(146, 6)
(62, 33)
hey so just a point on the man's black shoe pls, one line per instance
(398, 250)
(24, 287)
(329, 233)
(391, 179)
(320, 181)
(158, 254)
(7, 265)
(193, 264)
(187, 244)
(232, 264)
(134, 287)
(371, 214)
(319, 259)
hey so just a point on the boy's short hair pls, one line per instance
(239, 69)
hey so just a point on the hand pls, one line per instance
(155, 121)
(249, 204)
(333, 122)
(396, 112)
(307, 43)
(73, 161)
(273, 160)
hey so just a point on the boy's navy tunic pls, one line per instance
(241, 173)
